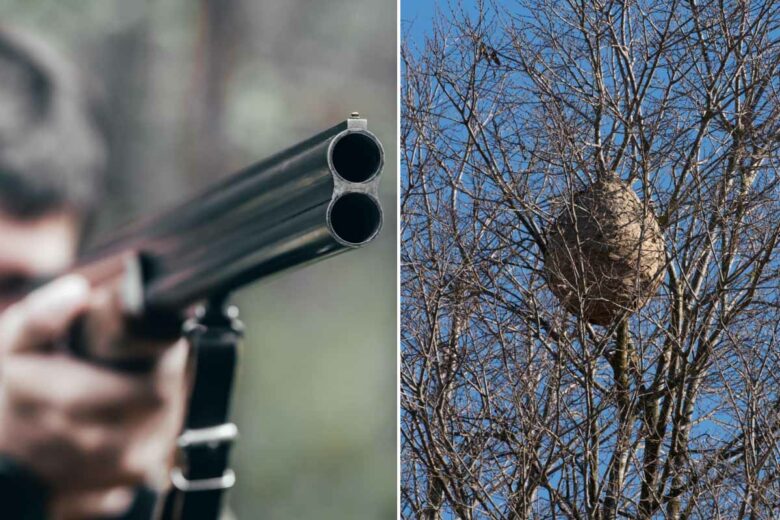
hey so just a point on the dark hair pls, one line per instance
(52, 151)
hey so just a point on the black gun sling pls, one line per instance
(201, 475)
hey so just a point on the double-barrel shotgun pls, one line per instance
(311, 201)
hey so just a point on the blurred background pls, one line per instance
(199, 88)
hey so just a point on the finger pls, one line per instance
(80, 389)
(172, 368)
(154, 454)
(94, 503)
(44, 315)
(103, 325)
(95, 393)
(70, 454)
(105, 330)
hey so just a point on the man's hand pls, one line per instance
(90, 433)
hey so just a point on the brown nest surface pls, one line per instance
(605, 252)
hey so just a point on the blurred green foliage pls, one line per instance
(316, 399)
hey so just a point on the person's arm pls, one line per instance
(91, 435)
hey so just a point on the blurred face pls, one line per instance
(33, 250)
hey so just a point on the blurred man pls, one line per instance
(76, 440)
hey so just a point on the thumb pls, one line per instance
(45, 315)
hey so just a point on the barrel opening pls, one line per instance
(355, 218)
(356, 157)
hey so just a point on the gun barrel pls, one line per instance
(309, 202)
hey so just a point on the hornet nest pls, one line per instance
(605, 252)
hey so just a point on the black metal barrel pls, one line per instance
(308, 202)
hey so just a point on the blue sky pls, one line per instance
(416, 18)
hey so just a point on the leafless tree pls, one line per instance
(511, 406)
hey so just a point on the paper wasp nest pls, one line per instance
(605, 253)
